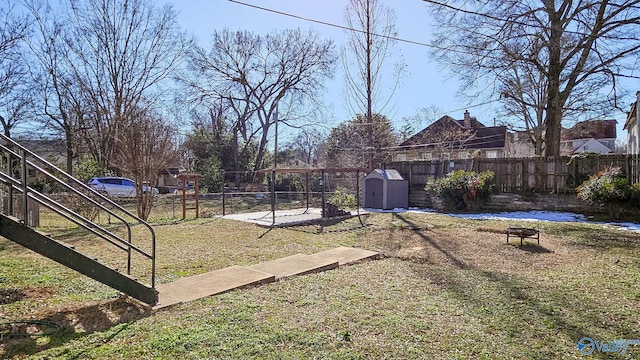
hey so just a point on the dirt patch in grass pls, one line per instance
(66, 321)
(8, 296)
(470, 246)
(97, 316)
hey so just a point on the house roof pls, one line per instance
(484, 137)
(176, 170)
(592, 145)
(596, 129)
(44, 147)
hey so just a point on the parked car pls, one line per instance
(117, 186)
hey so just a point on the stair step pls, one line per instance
(346, 255)
(219, 281)
(298, 264)
(208, 284)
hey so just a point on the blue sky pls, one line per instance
(426, 85)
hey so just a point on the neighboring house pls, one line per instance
(53, 150)
(633, 127)
(168, 179)
(169, 176)
(448, 138)
(595, 136)
(520, 145)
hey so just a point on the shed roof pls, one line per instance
(387, 174)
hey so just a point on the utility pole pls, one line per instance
(273, 172)
(369, 85)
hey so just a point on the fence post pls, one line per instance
(25, 194)
(306, 186)
(184, 198)
(322, 186)
(273, 196)
(628, 170)
(10, 172)
(223, 197)
(523, 173)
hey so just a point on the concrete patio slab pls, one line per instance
(211, 283)
(299, 264)
(282, 218)
(346, 255)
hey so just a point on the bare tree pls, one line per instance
(14, 93)
(566, 56)
(257, 75)
(415, 123)
(15, 104)
(448, 136)
(146, 146)
(122, 51)
(365, 60)
(523, 95)
(307, 145)
(59, 98)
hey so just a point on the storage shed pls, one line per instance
(385, 189)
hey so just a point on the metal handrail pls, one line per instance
(62, 210)
(46, 201)
(68, 187)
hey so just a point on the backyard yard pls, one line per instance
(446, 288)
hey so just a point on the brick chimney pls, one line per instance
(467, 119)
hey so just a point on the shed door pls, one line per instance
(374, 194)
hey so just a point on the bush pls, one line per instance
(343, 199)
(78, 205)
(87, 169)
(463, 190)
(212, 176)
(607, 189)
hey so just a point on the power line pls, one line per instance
(521, 23)
(468, 107)
(334, 25)
(412, 42)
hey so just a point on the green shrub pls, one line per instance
(607, 189)
(463, 190)
(212, 176)
(635, 195)
(343, 199)
(87, 169)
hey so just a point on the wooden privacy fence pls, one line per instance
(556, 175)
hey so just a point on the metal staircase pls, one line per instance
(76, 207)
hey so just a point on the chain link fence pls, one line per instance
(243, 192)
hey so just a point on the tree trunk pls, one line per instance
(262, 147)
(70, 152)
(554, 104)
(369, 87)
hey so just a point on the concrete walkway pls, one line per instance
(235, 277)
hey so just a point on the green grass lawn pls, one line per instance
(447, 288)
